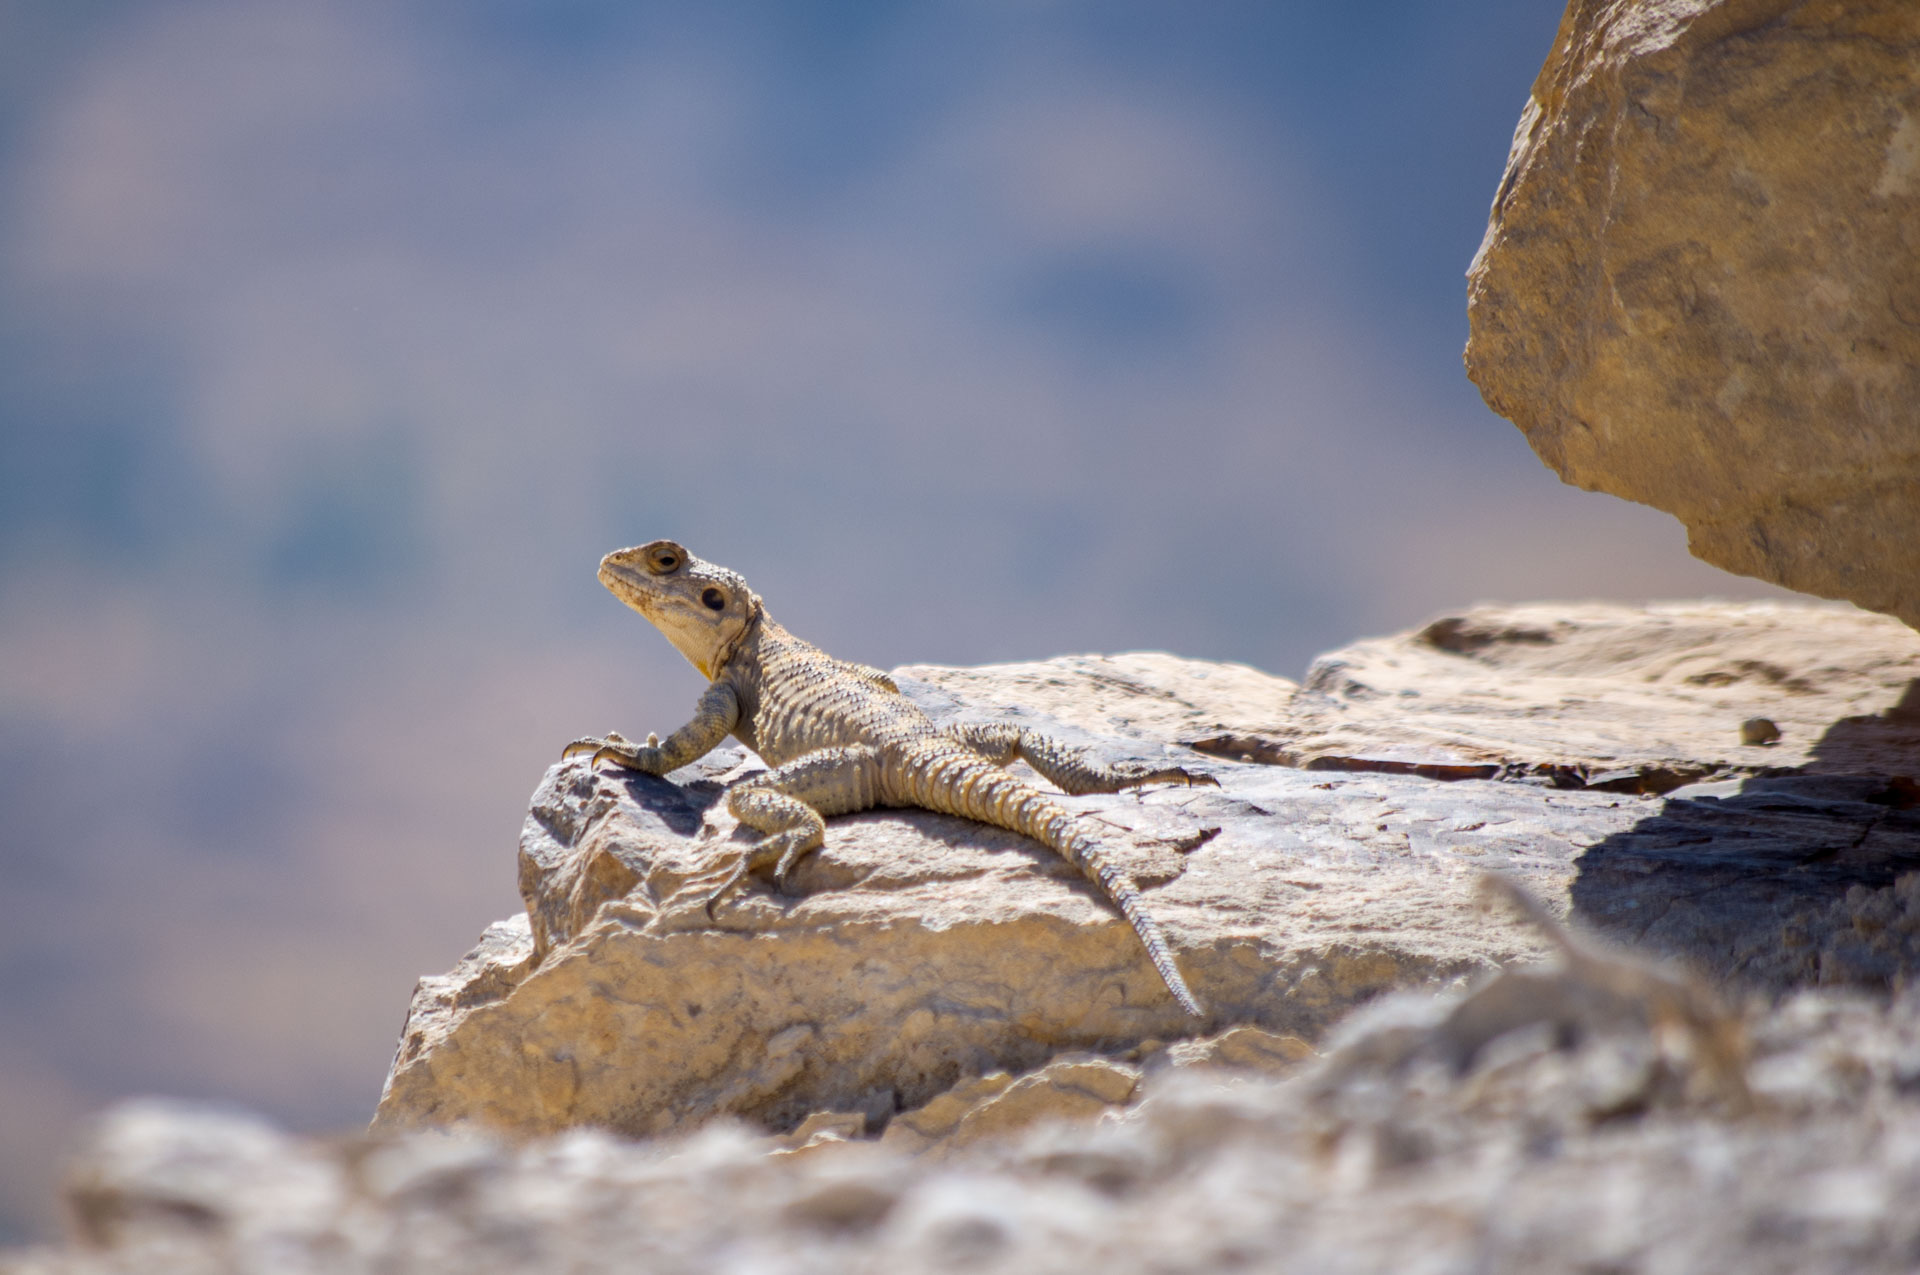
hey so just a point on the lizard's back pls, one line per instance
(796, 699)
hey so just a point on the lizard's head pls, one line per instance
(703, 609)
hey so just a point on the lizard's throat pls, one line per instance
(725, 655)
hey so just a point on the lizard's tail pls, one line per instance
(1004, 801)
(1085, 853)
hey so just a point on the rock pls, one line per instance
(1070, 1088)
(1627, 699)
(922, 951)
(160, 1169)
(1669, 1038)
(1769, 886)
(1147, 695)
(825, 1127)
(927, 967)
(1243, 1049)
(1540, 1153)
(929, 1125)
(1700, 283)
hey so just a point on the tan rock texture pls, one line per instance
(932, 976)
(1700, 283)
(922, 951)
(1634, 699)
(1576, 1136)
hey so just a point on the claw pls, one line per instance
(1176, 775)
(738, 871)
(600, 744)
(621, 752)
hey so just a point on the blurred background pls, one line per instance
(339, 339)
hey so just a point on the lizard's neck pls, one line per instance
(748, 640)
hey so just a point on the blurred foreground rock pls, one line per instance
(1700, 284)
(928, 962)
(1591, 1141)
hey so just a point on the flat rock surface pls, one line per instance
(1700, 282)
(1635, 699)
(1583, 694)
(920, 953)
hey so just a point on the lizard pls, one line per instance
(839, 737)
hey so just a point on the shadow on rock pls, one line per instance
(1803, 876)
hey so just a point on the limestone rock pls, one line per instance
(929, 971)
(1147, 695)
(921, 951)
(1071, 1088)
(1700, 283)
(1631, 699)
(1243, 1049)
(933, 1123)
(1540, 1153)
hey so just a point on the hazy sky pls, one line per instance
(338, 341)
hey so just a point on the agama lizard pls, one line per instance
(840, 737)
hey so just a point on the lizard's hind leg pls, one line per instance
(790, 804)
(1070, 769)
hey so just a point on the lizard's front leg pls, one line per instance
(715, 715)
(1068, 768)
(790, 805)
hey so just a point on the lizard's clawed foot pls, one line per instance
(595, 744)
(734, 876)
(793, 845)
(1172, 775)
(782, 850)
(615, 747)
(588, 743)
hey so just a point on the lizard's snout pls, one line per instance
(625, 576)
(624, 564)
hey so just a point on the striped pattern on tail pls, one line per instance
(952, 778)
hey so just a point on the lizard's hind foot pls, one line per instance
(733, 876)
(1137, 775)
(780, 851)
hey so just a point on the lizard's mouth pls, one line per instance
(626, 583)
(611, 568)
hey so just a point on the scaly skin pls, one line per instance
(840, 737)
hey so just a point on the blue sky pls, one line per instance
(338, 340)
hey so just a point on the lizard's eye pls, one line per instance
(665, 560)
(714, 599)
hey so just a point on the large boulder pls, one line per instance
(933, 978)
(1700, 283)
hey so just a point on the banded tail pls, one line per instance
(960, 782)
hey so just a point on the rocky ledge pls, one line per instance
(1729, 785)
(944, 1048)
